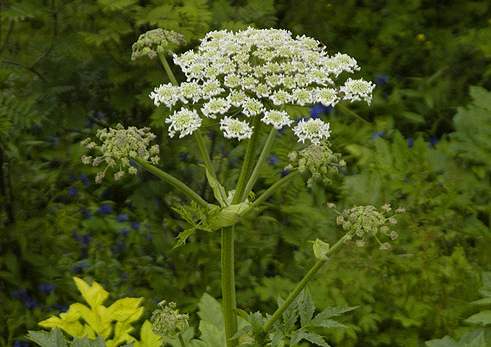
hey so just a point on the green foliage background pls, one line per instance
(65, 71)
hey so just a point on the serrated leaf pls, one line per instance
(94, 295)
(45, 339)
(306, 307)
(301, 334)
(483, 317)
(328, 323)
(183, 236)
(147, 337)
(331, 312)
(290, 316)
(86, 342)
(125, 310)
(482, 97)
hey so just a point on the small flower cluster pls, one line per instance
(156, 41)
(167, 321)
(318, 159)
(256, 72)
(363, 222)
(121, 145)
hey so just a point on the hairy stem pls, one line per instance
(167, 69)
(228, 286)
(259, 164)
(173, 181)
(301, 285)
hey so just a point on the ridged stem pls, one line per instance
(229, 304)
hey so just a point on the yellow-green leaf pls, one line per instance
(95, 295)
(147, 337)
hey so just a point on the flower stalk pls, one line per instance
(229, 304)
(302, 284)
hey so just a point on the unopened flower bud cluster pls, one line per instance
(156, 41)
(119, 145)
(167, 321)
(363, 222)
(254, 73)
(318, 159)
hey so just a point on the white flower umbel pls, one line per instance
(215, 106)
(183, 121)
(327, 96)
(314, 130)
(252, 107)
(256, 70)
(166, 94)
(234, 128)
(277, 118)
(357, 89)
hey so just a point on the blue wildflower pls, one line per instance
(84, 179)
(125, 276)
(19, 294)
(433, 141)
(272, 159)
(377, 134)
(284, 173)
(410, 142)
(183, 157)
(88, 214)
(105, 209)
(86, 238)
(135, 225)
(47, 287)
(72, 191)
(80, 266)
(75, 234)
(381, 79)
(124, 231)
(30, 303)
(122, 217)
(317, 110)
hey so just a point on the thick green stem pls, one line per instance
(173, 181)
(228, 286)
(249, 156)
(347, 111)
(259, 164)
(167, 69)
(301, 285)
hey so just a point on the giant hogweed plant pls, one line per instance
(245, 83)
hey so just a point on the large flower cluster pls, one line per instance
(167, 321)
(119, 146)
(318, 159)
(363, 222)
(256, 72)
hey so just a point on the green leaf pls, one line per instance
(218, 189)
(183, 236)
(301, 334)
(306, 307)
(95, 295)
(331, 312)
(226, 216)
(328, 323)
(210, 311)
(290, 315)
(445, 342)
(147, 336)
(320, 249)
(45, 339)
(86, 342)
(483, 317)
